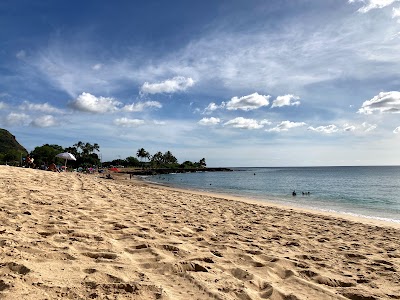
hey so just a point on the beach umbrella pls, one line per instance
(66, 156)
(114, 169)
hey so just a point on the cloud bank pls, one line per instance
(286, 100)
(176, 84)
(87, 102)
(384, 102)
(209, 121)
(285, 126)
(125, 122)
(243, 123)
(250, 102)
(328, 129)
(45, 121)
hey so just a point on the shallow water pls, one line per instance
(363, 191)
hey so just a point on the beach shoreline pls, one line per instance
(78, 236)
(267, 201)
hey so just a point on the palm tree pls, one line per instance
(141, 154)
(169, 158)
(202, 163)
(157, 159)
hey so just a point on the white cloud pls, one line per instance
(243, 123)
(20, 54)
(285, 126)
(325, 129)
(176, 84)
(140, 106)
(286, 100)
(209, 121)
(348, 127)
(213, 107)
(396, 12)
(250, 102)
(3, 105)
(368, 127)
(265, 122)
(89, 103)
(97, 67)
(396, 130)
(45, 121)
(372, 4)
(16, 119)
(42, 107)
(125, 122)
(384, 102)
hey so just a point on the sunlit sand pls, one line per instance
(74, 236)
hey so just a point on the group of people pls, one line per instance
(303, 193)
(28, 163)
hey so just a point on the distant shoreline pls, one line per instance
(158, 171)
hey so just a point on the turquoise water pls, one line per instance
(363, 191)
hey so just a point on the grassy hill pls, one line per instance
(10, 149)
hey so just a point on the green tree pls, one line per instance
(12, 157)
(142, 154)
(132, 162)
(202, 163)
(187, 165)
(169, 159)
(84, 153)
(157, 160)
(46, 154)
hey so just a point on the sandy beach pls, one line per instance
(77, 236)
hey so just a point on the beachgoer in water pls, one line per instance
(294, 193)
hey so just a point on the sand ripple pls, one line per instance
(83, 237)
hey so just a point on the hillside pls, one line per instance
(8, 143)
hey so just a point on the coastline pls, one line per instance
(78, 236)
(271, 203)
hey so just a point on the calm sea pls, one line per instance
(363, 191)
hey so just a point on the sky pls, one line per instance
(240, 83)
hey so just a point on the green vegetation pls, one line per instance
(158, 160)
(46, 154)
(167, 161)
(84, 153)
(87, 155)
(11, 151)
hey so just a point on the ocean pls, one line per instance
(372, 192)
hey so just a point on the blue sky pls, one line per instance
(241, 83)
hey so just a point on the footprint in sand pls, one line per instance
(17, 268)
(97, 255)
(4, 285)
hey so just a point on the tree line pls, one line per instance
(88, 155)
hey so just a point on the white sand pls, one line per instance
(71, 236)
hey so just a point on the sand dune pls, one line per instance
(71, 236)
